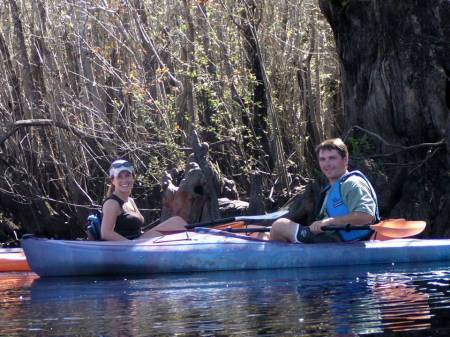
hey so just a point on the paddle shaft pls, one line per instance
(247, 219)
(326, 228)
(394, 228)
(211, 223)
(346, 227)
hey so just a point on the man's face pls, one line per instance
(332, 164)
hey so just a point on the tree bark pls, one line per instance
(93, 97)
(304, 78)
(187, 200)
(196, 198)
(394, 61)
(258, 122)
(256, 202)
(264, 112)
(29, 94)
(14, 100)
(201, 157)
(187, 117)
(208, 84)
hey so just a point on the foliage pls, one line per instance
(359, 146)
(136, 78)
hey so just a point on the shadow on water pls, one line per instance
(374, 301)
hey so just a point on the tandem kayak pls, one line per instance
(13, 260)
(214, 250)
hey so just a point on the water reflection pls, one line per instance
(403, 306)
(13, 287)
(315, 302)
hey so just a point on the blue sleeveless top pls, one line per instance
(336, 206)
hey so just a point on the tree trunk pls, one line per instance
(395, 70)
(29, 94)
(196, 198)
(208, 84)
(304, 78)
(93, 97)
(37, 57)
(150, 61)
(264, 124)
(394, 62)
(187, 117)
(258, 124)
(14, 101)
(200, 156)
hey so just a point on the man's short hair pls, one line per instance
(333, 144)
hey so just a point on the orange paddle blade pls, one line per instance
(399, 228)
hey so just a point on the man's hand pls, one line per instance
(316, 226)
(354, 218)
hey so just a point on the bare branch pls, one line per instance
(397, 146)
(42, 123)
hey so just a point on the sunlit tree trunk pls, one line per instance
(307, 94)
(210, 89)
(29, 97)
(12, 99)
(91, 95)
(188, 117)
(258, 121)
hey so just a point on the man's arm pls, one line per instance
(354, 218)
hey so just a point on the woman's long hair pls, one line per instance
(110, 190)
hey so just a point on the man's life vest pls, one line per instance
(336, 206)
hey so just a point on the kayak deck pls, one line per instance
(213, 250)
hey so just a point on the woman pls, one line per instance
(121, 217)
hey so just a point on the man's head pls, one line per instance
(333, 144)
(333, 158)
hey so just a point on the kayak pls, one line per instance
(215, 250)
(13, 260)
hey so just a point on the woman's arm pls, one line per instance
(111, 210)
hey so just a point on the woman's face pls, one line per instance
(123, 182)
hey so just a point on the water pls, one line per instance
(383, 301)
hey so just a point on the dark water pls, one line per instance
(383, 301)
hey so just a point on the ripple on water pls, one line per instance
(386, 300)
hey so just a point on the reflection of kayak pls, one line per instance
(14, 281)
(13, 259)
(212, 250)
(304, 281)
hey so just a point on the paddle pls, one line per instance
(393, 228)
(247, 218)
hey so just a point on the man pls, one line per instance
(350, 199)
